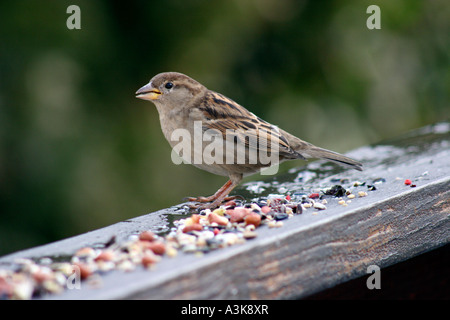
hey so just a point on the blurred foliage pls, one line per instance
(78, 151)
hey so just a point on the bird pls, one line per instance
(189, 110)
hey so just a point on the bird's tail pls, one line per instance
(316, 152)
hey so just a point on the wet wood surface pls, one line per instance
(313, 251)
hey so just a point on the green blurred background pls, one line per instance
(78, 151)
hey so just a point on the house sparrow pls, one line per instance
(184, 103)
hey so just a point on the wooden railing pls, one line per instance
(312, 251)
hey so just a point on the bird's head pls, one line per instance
(171, 89)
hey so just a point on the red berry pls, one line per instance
(408, 182)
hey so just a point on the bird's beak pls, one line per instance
(147, 92)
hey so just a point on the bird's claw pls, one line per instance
(201, 203)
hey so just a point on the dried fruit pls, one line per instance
(105, 255)
(6, 289)
(237, 214)
(148, 260)
(195, 218)
(314, 195)
(147, 236)
(85, 270)
(215, 218)
(265, 209)
(158, 248)
(42, 275)
(193, 227)
(253, 218)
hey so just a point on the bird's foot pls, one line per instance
(201, 203)
(211, 199)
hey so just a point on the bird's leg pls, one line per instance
(221, 195)
(213, 197)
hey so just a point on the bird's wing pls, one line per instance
(235, 122)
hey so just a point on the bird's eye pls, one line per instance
(169, 85)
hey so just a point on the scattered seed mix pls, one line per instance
(232, 223)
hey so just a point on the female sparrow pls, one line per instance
(220, 136)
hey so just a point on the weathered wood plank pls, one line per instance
(312, 251)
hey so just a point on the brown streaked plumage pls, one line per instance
(181, 102)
